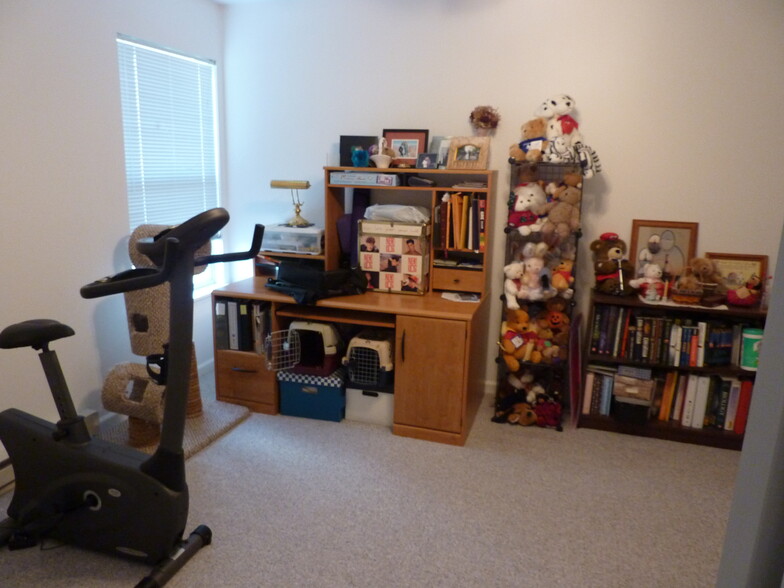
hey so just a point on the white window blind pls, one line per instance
(169, 125)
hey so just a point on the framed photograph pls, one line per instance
(427, 160)
(670, 244)
(347, 144)
(469, 153)
(737, 269)
(407, 145)
(440, 146)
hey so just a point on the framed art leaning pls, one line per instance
(670, 244)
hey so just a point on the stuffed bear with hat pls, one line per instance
(612, 270)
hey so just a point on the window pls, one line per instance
(170, 130)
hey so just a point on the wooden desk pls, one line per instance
(439, 355)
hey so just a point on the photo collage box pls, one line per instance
(395, 256)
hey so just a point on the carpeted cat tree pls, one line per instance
(136, 389)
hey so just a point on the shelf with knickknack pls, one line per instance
(672, 371)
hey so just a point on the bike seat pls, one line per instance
(35, 333)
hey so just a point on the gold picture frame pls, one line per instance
(469, 153)
(736, 269)
(677, 244)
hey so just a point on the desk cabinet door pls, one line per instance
(429, 378)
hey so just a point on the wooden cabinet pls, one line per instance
(624, 331)
(429, 382)
(439, 355)
(439, 350)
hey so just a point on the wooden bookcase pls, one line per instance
(437, 388)
(604, 329)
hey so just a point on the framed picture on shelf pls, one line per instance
(407, 145)
(737, 269)
(347, 144)
(670, 244)
(427, 160)
(469, 153)
(440, 146)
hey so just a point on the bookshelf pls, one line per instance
(673, 347)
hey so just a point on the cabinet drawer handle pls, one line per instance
(243, 370)
(403, 346)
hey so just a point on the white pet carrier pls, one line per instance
(369, 360)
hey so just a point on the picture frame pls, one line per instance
(348, 142)
(469, 153)
(736, 268)
(407, 145)
(670, 244)
(440, 146)
(427, 161)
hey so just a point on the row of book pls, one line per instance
(631, 334)
(241, 325)
(459, 222)
(691, 400)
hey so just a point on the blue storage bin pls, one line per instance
(313, 397)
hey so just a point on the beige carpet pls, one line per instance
(216, 420)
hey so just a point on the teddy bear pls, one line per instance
(708, 272)
(651, 284)
(518, 337)
(563, 211)
(525, 385)
(534, 142)
(533, 284)
(526, 210)
(611, 268)
(513, 273)
(555, 319)
(548, 411)
(562, 278)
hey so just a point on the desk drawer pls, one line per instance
(455, 279)
(243, 377)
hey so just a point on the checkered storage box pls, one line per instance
(313, 397)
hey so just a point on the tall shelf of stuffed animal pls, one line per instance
(538, 339)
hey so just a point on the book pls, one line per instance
(233, 320)
(720, 402)
(732, 405)
(588, 392)
(482, 223)
(668, 395)
(464, 208)
(680, 398)
(702, 333)
(689, 400)
(221, 325)
(675, 345)
(701, 395)
(744, 401)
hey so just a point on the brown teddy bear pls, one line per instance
(707, 272)
(611, 269)
(563, 212)
(534, 141)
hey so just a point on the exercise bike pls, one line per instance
(99, 495)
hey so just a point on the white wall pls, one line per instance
(62, 177)
(681, 100)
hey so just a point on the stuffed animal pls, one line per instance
(527, 206)
(548, 411)
(747, 295)
(533, 285)
(556, 106)
(563, 212)
(534, 142)
(555, 318)
(518, 339)
(650, 285)
(563, 278)
(708, 272)
(514, 274)
(611, 269)
(525, 385)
